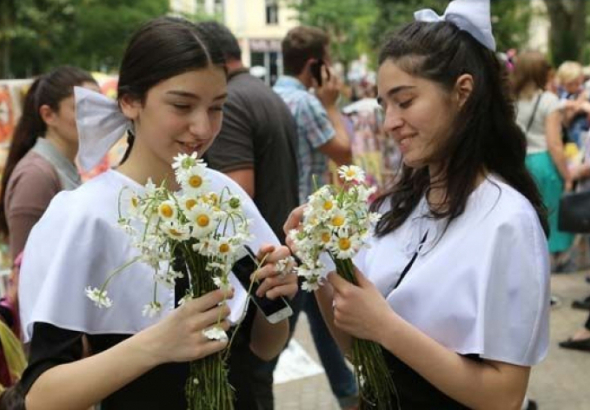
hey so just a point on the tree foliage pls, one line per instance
(568, 29)
(89, 33)
(510, 19)
(347, 22)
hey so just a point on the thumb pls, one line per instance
(361, 279)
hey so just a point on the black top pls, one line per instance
(259, 132)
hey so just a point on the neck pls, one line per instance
(143, 165)
(65, 148)
(305, 79)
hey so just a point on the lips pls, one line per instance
(190, 147)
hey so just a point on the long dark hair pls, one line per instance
(49, 89)
(163, 48)
(485, 135)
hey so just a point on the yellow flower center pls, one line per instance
(166, 211)
(134, 202)
(202, 220)
(328, 205)
(190, 203)
(344, 244)
(224, 248)
(213, 198)
(326, 237)
(350, 173)
(195, 181)
(174, 232)
(338, 220)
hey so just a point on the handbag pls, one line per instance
(574, 212)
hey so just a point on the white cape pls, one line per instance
(482, 287)
(77, 243)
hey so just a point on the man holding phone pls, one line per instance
(322, 136)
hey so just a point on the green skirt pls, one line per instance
(550, 184)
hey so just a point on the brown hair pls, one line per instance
(300, 44)
(531, 67)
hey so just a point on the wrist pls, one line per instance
(144, 348)
(387, 327)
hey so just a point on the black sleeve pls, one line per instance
(233, 149)
(50, 347)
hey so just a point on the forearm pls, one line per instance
(557, 154)
(341, 136)
(83, 383)
(325, 298)
(267, 340)
(477, 385)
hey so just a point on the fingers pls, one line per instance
(339, 284)
(211, 317)
(294, 219)
(209, 300)
(264, 250)
(278, 285)
(209, 347)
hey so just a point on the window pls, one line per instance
(272, 12)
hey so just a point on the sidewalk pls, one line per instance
(559, 383)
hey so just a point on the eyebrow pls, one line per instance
(398, 89)
(194, 96)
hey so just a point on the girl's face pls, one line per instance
(62, 122)
(418, 114)
(180, 114)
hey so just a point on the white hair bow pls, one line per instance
(472, 16)
(100, 125)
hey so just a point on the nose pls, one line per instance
(200, 126)
(393, 120)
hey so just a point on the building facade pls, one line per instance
(259, 26)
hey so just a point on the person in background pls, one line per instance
(41, 158)
(322, 136)
(576, 107)
(539, 116)
(257, 148)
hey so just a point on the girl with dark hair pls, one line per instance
(41, 158)
(539, 115)
(172, 87)
(455, 283)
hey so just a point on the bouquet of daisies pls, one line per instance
(197, 232)
(337, 221)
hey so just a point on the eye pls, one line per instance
(216, 108)
(406, 103)
(181, 107)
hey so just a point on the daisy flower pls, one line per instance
(352, 173)
(152, 309)
(99, 297)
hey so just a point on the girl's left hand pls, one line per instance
(359, 310)
(275, 284)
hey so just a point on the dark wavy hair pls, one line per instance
(50, 89)
(485, 136)
(161, 49)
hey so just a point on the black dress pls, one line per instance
(160, 388)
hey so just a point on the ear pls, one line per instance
(47, 114)
(463, 88)
(130, 107)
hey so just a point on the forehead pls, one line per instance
(207, 82)
(391, 79)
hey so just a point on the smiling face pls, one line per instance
(418, 114)
(180, 114)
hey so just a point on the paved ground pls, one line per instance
(561, 382)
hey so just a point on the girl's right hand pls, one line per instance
(179, 336)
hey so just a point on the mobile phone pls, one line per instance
(316, 71)
(274, 310)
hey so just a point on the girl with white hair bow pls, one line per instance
(455, 283)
